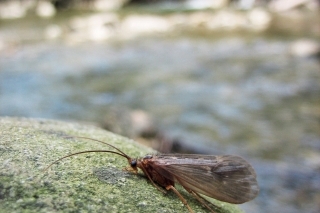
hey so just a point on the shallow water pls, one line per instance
(234, 95)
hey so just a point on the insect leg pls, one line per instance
(202, 200)
(129, 169)
(180, 196)
(155, 185)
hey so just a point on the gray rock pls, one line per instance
(93, 182)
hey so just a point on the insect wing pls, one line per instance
(226, 178)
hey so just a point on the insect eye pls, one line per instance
(133, 163)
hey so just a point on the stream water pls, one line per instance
(225, 95)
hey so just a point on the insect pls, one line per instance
(226, 178)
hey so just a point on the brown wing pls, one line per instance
(227, 178)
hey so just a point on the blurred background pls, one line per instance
(194, 76)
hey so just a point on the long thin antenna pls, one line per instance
(77, 153)
(124, 154)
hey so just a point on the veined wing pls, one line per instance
(226, 178)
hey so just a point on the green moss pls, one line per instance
(92, 182)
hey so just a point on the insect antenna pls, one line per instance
(88, 151)
(124, 154)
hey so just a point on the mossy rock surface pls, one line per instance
(93, 182)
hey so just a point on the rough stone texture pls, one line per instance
(93, 182)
